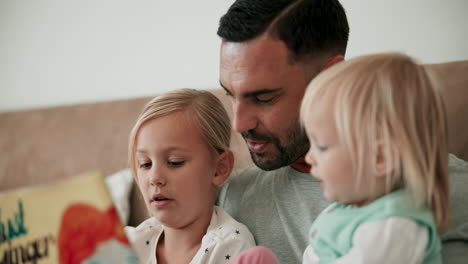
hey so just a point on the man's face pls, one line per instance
(266, 89)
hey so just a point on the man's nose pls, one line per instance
(244, 117)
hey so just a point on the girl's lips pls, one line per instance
(255, 146)
(161, 203)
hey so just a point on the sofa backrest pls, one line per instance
(43, 145)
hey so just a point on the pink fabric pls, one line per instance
(255, 255)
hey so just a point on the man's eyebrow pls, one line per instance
(254, 93)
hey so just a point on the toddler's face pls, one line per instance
(175, 170)
(331, 162)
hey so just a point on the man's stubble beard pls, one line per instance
(296, 147)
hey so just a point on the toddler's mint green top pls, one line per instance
(331, 234)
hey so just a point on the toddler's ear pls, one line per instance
(383, 159)
(225, 163)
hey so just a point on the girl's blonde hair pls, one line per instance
(206, 109)
(389, 100)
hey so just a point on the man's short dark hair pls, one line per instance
(307, 27)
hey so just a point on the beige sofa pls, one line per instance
(44, 145)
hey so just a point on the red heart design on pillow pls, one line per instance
(83, 228)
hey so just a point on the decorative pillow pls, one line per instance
(120, 186)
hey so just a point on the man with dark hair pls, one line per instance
(286, 39)
(270, 51)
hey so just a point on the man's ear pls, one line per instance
(383, 159)
(225, 163)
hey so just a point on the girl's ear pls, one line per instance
(383, 159)
(225, 163)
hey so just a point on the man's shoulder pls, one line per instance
(458, 173)
(457, 167)
(455, 240)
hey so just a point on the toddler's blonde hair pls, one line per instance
(388, 98)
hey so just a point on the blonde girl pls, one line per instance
(179, 154)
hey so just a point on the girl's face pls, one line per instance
(331, 162)
(175, 171)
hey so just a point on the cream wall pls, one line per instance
(55, 52)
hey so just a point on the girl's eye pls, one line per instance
(319, 147)
(145, 165)
(176, 163)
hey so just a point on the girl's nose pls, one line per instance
(157, 177)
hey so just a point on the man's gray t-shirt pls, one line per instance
(279, 206)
